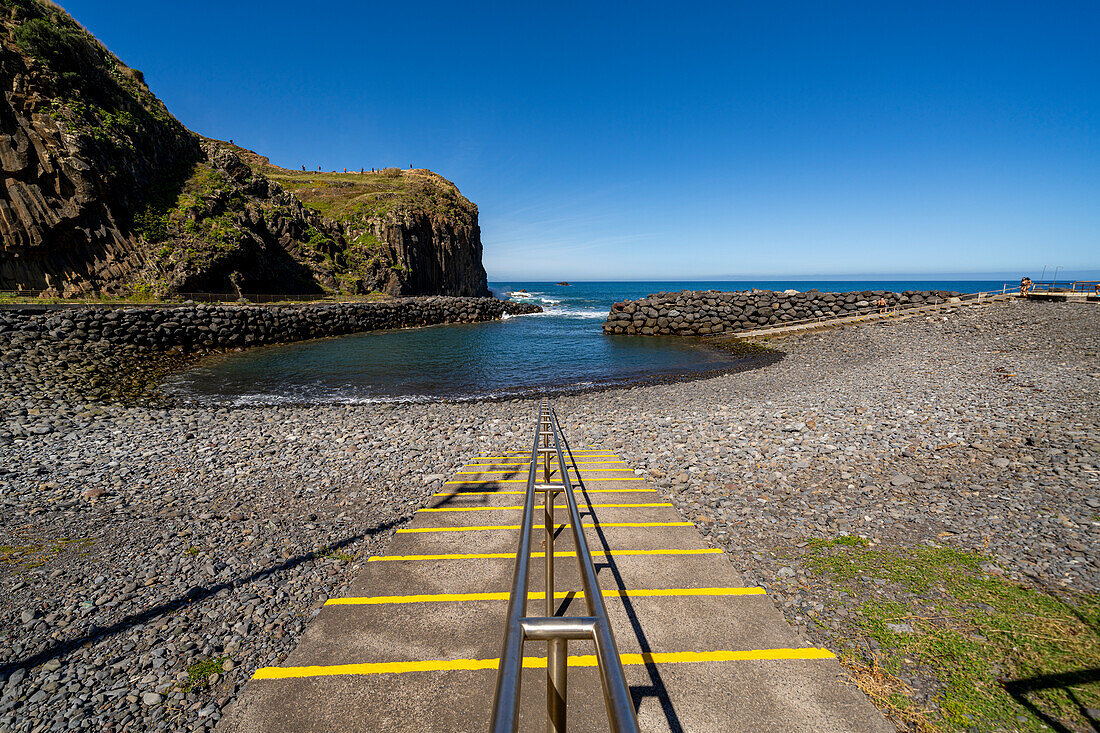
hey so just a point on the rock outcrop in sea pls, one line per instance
(106, 192)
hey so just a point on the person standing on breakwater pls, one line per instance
(881, 305)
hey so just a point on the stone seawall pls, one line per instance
(711, 311)
(90, 352)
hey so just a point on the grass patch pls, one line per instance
(938, 612)
(328, 554)
(888, 692)
(841, 541)
(199, 673)
(30, 556)
(356, 198)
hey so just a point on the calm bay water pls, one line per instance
(563, 348)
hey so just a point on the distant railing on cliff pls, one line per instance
(277, 297)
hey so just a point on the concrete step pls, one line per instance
(414, 644)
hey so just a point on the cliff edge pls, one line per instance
(104, 191)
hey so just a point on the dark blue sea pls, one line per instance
(560, 350)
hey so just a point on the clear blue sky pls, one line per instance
(662, 140)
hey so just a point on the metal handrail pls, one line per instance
(556, 630)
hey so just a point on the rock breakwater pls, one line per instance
(113, 353)
(705, 312)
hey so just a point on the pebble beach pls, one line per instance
(152, 557)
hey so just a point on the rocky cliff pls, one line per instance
(105, 192)
(413, 226)
(82, 141)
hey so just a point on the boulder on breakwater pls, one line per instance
(698, 313)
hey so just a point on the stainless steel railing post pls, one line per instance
(557, 669)
(616, 693)
(505, 715)
(556, 666)
(556, 630)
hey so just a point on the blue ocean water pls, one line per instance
(562, 349)
(594, 299)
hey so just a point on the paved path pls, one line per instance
(414, 646)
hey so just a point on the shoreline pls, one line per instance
(749, 356)
(150, 540)
(130, 369)
(111, 354)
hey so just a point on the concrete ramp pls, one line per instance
(415, 645)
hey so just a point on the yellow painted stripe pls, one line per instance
(537, 506)
(528, 463)
(579, 660)
(528, 455)
(521, 493)
(486, 527)
(512, 555)
(445, 665)
(582, 453)
(523, 480)
(552, 470)
(603, 469)
(502, 470)
(538, 596)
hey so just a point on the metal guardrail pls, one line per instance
(556, 630)
(1077, 286)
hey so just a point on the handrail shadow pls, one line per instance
(59, 649)
(657, 687)
(1019, 689)
(470, 494)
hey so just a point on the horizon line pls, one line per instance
(884, 277)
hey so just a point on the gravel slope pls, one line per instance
(138, 542)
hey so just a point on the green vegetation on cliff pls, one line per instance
(83, 68)
(86, 87)
(357, 197)
(114, 196)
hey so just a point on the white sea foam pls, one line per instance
(306, 398)
(573, 312)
